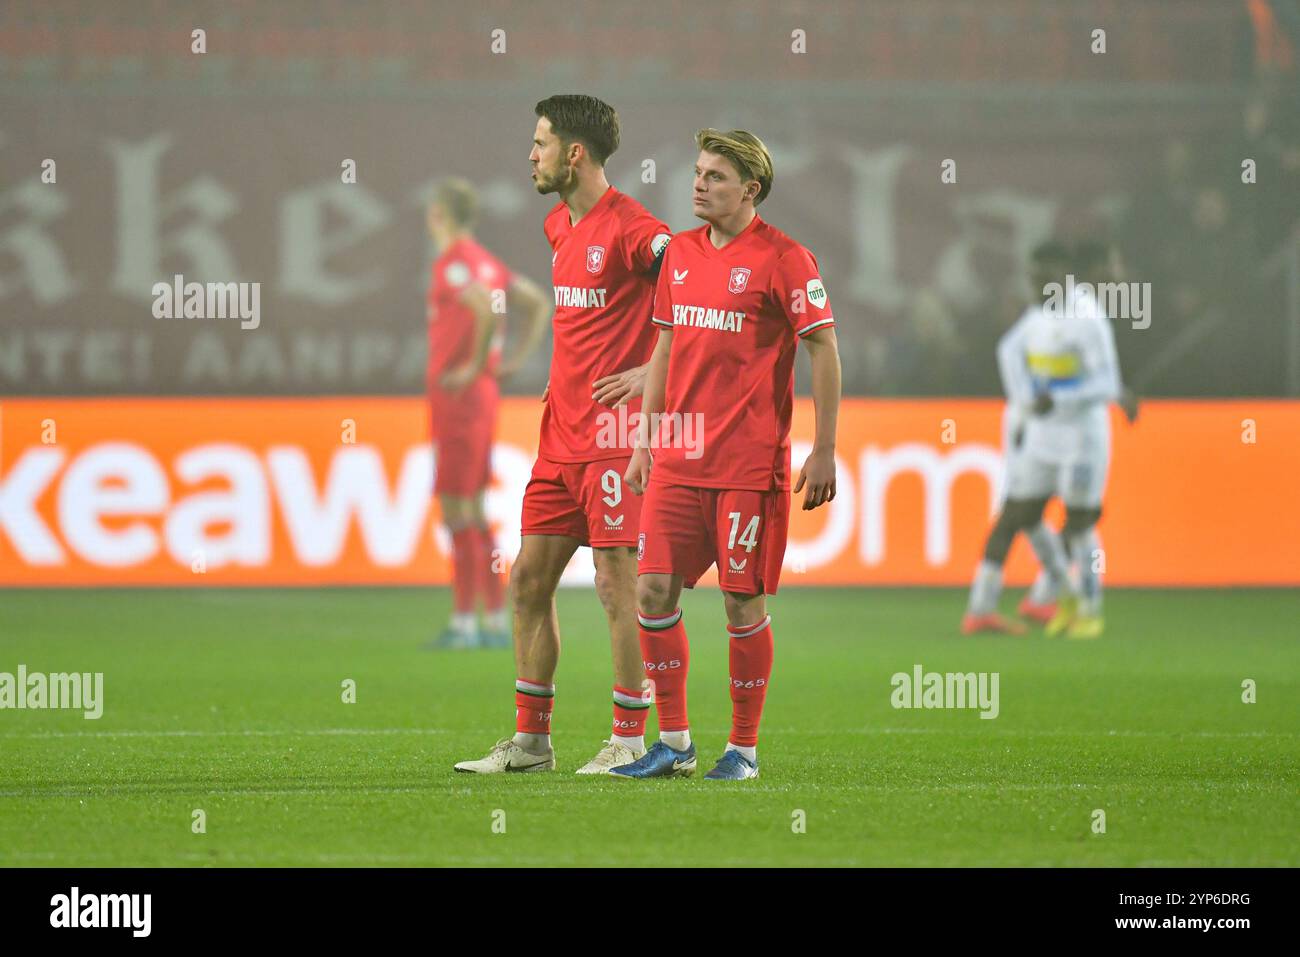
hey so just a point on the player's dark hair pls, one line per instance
(1089, 256)
(1049, 253)
(576, 117)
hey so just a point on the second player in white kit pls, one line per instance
(1060, 371)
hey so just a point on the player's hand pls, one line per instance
(507, 369)
(1043, 403)
(546, 392)
(637, 475)
(1128, 402)
(818, 473)
(619, 388)
(454, 380)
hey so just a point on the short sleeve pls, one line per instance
(1103, 356)
(799, 292)
(662, 314)
(494, 274)
(644, 240)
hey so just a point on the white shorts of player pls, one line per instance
(1077, 476)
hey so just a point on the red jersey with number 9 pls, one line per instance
(735, 313)
(602, 272)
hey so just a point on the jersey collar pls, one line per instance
(456, 246)
(740, 239)
(606, 198)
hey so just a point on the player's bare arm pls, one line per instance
(818, 472)
(537, 310)
(652, 403)
(479, 300)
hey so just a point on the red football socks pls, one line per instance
(630, 711)
(491, 584)
(751, 670)
(534, 703)
(464, 571)
(666, 655)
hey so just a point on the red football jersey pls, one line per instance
(451, 322)
(603, 297)
(735, 313)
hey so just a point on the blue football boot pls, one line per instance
(450, 639)
(488, 638)
(733, 766)
(660, 761)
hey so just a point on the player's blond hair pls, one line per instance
(745, 151)
(459, 198)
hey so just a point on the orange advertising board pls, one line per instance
(252, 491)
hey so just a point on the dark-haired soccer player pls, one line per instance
(607, 249)
(1049, 263)
(1077, 417)
(1065, 360)
(734, 298)
(467, 289)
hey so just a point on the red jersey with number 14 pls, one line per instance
(735, 313)
(604, 292)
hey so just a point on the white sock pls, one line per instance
(496, 620)
(677, 740)
(750, 753)
(464, 622)
(1043, 590)
(986, 588)
(533, 743)
(637, 744)
(1056, 566)
(1085, 547)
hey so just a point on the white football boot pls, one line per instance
(614, 754)
(508, 756)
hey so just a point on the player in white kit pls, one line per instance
(1073, 372)
(1050, 262)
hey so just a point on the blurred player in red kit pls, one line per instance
(734, 298)
(606, 253)
(468, 292)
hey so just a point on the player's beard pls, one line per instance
(561, 182)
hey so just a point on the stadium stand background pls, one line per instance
(225, 167)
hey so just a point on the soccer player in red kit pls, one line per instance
(607, 249)
(734, 296)
(464, 365)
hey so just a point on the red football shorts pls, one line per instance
(462, 442)
(684, 530)
(585, 500)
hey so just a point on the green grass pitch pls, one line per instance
(230, 701)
